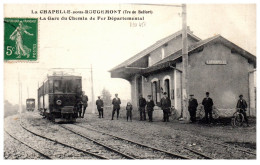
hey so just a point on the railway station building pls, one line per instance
(216, 65)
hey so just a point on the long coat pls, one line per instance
(241, 104)
(99, 103)
(207, 103)
(150, 105)
(193, 104)
(116, 103)
(142, 102)
(165, 103)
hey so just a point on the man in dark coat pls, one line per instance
(242, 106)
(149, 107)
(193, 104)
(116, 106)
(100, 105)
(85, 103)
(165, 105)
(142, 104)
(208, 103)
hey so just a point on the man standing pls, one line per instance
(242, 106)
(149, 107)
(208, 103)
(85, 103)
(165, 105)
(100, 105)
(142, 104)
(116, 106)
(193, 104)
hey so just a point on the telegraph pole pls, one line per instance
(185, 74)
(92, 91)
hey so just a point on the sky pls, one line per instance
(105, 44)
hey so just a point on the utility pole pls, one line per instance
(185, 74)
(92, 91)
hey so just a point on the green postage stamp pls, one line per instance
(20, 39)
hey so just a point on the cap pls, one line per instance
(191, 94)
(149, 95)
(164, 93)
(240, 95)
(207, 93)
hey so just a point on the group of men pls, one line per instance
(207, 103)
(148, 106)
(165, 104)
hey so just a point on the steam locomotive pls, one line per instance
(58, 97)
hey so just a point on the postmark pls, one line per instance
(20, 39)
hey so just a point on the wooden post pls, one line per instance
(185, 74)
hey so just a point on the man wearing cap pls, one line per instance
(193, 104)
(149, 107)
(208, 103)
(165, 105)
(116, 106)
(242, 105)
(142, 104)
(100, 105)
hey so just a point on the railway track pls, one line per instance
(63, 144)
(171, 154)
(29, 146)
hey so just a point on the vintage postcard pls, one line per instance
(129, 81)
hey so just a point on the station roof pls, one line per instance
(151, 48)
(173, 57)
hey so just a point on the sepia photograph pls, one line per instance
(121, 81)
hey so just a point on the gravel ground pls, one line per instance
(171, 136)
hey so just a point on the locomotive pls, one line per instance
(58, 97)
(30, 104)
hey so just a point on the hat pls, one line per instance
(240, 95)
(149, 95)
(191, 94)
(164, 93)
(207, 93)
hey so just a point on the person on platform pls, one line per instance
(142, 104)
(208, 104)
(129, 109)
(165, 105)
(242, 106)
(193, 104)
(116, 106)
(100, 105)
(85, 103)
(149, 107)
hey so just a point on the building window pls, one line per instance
(156, 90)
(163, 53)
(167, 87)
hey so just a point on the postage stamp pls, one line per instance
(20, 39)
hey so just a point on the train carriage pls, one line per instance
(30, 104)
(58, 97)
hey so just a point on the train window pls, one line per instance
(50, 86)
(69, 86)
(46, 86)
(57, 86)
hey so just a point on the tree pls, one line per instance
(106, 95)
